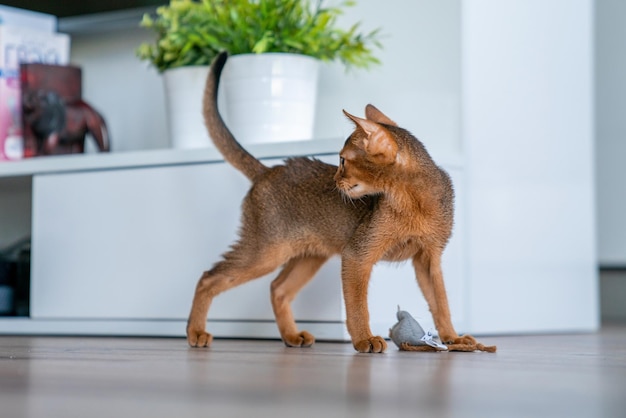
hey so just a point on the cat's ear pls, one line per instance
(372, 113)
(379, 142)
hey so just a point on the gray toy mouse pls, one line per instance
(408, 335)
(408, 332)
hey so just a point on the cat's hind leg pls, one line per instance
(294, 276)
(430, 279)
(239, 266)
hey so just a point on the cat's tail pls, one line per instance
(223, 139)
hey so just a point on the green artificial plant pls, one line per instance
(193, 32)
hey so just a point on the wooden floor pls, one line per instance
(530, 376)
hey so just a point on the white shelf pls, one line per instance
(166, 157)
(21, 173)
(152, 158)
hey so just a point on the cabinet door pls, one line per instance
(131, 244)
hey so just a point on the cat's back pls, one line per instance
(300, 176)
(308, 184)
(301, 194)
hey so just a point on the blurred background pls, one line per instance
(428, 61)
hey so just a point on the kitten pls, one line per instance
(387, 200)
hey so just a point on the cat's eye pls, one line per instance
(341, 161)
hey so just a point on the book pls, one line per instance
(22, 45)
(27, 19)
(55, 119)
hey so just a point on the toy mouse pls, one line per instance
(408, 335)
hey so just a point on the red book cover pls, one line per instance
(55, 119)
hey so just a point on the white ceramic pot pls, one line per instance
(270, 97)
(183, 96)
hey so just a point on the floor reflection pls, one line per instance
(426, 389)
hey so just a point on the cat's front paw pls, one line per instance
(199, 338)
(301, 339)
(371, 345)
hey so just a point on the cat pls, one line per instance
(387, 200)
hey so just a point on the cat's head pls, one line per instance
(372, 156)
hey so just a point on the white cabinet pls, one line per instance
(127, 247)
(128, 243)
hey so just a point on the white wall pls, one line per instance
(128, 94)
(528, 126)
(418, 84)
(611, 130)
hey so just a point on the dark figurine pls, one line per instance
(55, 119)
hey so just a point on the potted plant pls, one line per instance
(275, 48)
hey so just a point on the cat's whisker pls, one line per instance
(344, 197)
(347, 198)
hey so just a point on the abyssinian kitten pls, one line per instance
(387, 200)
